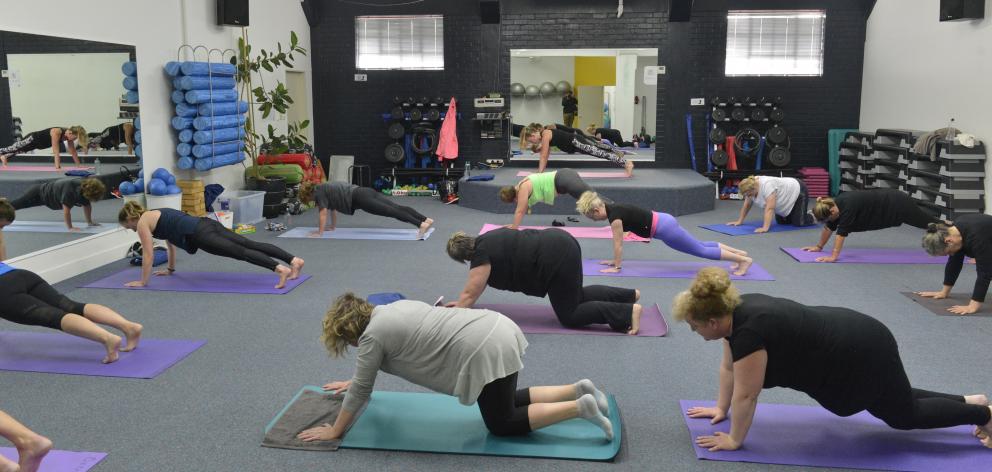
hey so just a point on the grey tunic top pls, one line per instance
(60, 192)
(455, 351)
(334, 195)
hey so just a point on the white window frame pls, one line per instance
(394, 51)
(754, 55)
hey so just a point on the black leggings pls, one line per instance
(370, 201)
(568, 182)
(577, 306)
(913, 215)
(595, 148)
(800, 215)
(30, 199)
(504, 408)
(25, 145)
(29, 300)
(215, 239)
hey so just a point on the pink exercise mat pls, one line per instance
(13, 168)
(589, 174)
(583, 232)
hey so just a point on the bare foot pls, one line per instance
(637, 295)
(284, 273)
(7, 465)
(133, 334)
(734, 265)
(635, 319)
(976, 400)
(297, 267)
(32, 452)
(426, 225)
(629, 168)
(3, 159)
(984, 433)
(743, 266)
(113, 344)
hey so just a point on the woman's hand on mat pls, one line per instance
(324, 432)
(164, 272)
(965, 309)
(813, 248)
(734, 223)
(315, 234)
(934, 295)
(92, 224)
(717, 414)
(610, 270)
(337, 386)
(73, 229)
(826, 259)
(719, 441)
(761, 230)
(136, 283)
(511, 226)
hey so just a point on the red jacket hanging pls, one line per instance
(447, 141)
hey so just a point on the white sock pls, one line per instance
(585, 386)
(589, 411)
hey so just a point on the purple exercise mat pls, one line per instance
(670, 269)
(869, 256)
(61, 461)
(540, 319)
(210, 282)
(59, 353)
(812, 436)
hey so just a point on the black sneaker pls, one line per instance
(557, 223)
(573, 219)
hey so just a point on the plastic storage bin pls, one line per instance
(246, 205)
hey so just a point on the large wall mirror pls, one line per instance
(615, 88)
(69, 97)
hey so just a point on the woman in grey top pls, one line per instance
(346, 198)
(471, 354)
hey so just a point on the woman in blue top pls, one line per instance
(191, 233)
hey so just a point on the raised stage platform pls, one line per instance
(674, 191)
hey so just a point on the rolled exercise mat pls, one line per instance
(186, 136)
(55, 227)
(748, 227)
(219, 121)
(184, 149)
(203, 96)
(541, 319)
(223, 108)
(671, 269)
(185, 110)
(207, 68)
(203, 282)
(172, 68)
(811, 436)
(60, 353)
(869, 256)
(205, 83)
(939, 307)
(185, 163)
(179, 123)
(358, 233)
(207, 163)
(586, 232)
(438, 423)
(130, 83)
(130, 68)
(589, 174)
(60, 461)
(207, 150)
(178, 97)
(218, 135)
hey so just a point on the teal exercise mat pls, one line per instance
(432, 422)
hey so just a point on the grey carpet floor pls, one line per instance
(207, 412)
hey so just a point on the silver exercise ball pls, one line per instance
(563, 86)
(547, 88)
(532, 91)
(517, 88)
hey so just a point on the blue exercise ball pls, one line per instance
(157, 187)
(126, 188)
(170, 180)
(139, 186)
(173, 189)
(160, 174)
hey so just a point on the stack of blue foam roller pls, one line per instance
(130, 70)
(209, 117)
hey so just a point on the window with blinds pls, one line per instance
(399, 42)
(775, 42)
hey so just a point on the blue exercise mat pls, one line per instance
(749, 226)
(431, 422)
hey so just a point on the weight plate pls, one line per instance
(396, 113)
(776, 135)
(738, 114)
(719, 114)
(779, 157)
(416, 114)
(720, 157)
(394, 153)
(777, 115)
(433, 114)
(758, 114)
(396, 130)
(397, 101)
(715, 101)
(718, 136)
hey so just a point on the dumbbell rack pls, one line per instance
(765, 113)
(951, 186)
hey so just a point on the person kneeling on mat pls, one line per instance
(64, 194)
(474, 355)
(542, 263)
(541, 188)
(970, 235)
(346, 198)
(657, 225)
(784, 200)
(29, 300)
(31, 446)
(845, 360)
(191, 233)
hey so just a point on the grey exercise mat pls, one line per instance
(939, 307)
(307, 410)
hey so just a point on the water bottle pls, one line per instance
(468, 169)
(97, 165)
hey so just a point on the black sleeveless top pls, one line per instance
(563, 140)
(175, 226)
(45, 135)
(635, 219)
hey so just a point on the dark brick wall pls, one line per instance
(21, 43)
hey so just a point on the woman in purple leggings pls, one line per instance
(657, 225)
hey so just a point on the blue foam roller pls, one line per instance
(184, 149)
(137, 150)
(179, 123)
(204, 96)
(172, 68)
(137, 123)
(130, 83)
(208, 163)
(185, 163)
(173, 190)
(225, 108)
(205, 83)
(221, 121)
(126, 188)
(208, 150)
(137, 137)
(130, 68)
(178, 96)
(176, 81)
(156, 187)
(131, 96)
(185, 110)
(218, 135)
(207, 68)
(186, 136)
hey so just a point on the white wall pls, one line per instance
(622, 106)
(535, 71)
(649, 91)
(919, 72)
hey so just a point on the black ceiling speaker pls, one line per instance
(311, 9)
(678, 10)
(951, 10)
(489, 11)
(232, 12)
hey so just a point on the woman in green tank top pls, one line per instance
(541, 188)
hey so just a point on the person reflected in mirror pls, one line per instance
(49, 138)
(64, 194)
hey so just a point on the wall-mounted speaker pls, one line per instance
(232, 12)
(311, 9)
(951, 10)
(679, 10)
(489, 11)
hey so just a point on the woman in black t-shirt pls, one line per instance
(864, 210)
(970, 235)
(846, 361)
(64, 194)
(542, 263)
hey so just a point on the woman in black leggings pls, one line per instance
(191, 233)
(847, 361)
(49, 138)
(346, 198)
(29, 300)
(540, 138)
(542, 263)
